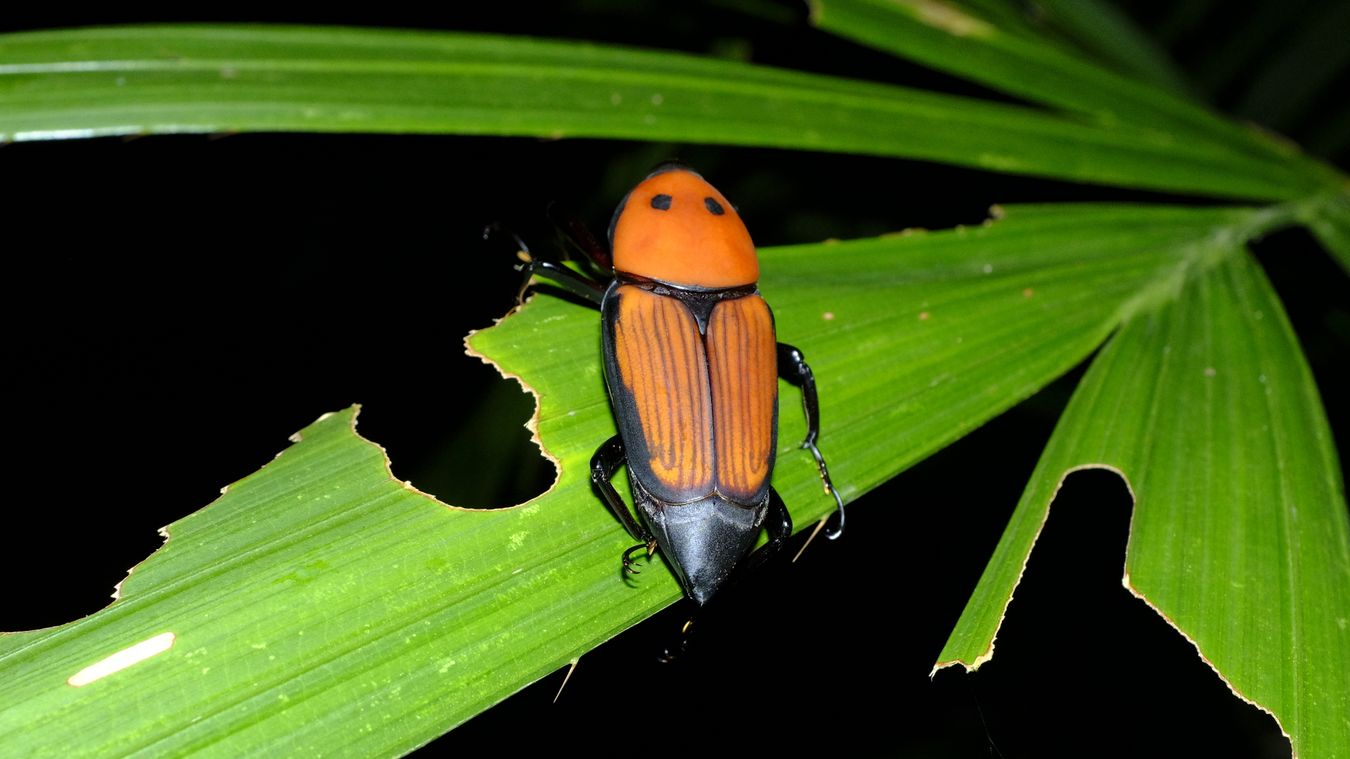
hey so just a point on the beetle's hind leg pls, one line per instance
(604, 464)
(778, 522)
(792, 367)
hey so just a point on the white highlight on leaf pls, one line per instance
(55, 134)
(122, 659)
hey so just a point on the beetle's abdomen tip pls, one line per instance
(702, 587)
(701, 594)
(705, 540)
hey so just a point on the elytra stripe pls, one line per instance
(661, 359)
(743, 366)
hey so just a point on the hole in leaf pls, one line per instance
(1103, 662)
(481, 456)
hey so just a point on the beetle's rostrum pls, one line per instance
(692, 364)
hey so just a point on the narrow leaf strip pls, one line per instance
(1106, 30)
(1330, 223)
(146, 80)
(954, 38)
(1239, 537)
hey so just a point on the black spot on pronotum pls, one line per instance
(714, 207)
(661, 202)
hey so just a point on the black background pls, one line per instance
(175, 307)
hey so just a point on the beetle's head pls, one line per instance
(677, 228)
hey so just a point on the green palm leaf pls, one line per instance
(232, 79)
(320, 606)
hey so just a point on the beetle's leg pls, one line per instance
(779, 524)
(792, 367)
(561, 276)
(554, 271)
(672, 653)
(577, 236)
(604, 463)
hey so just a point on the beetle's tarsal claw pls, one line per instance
(680, 646)
(838, 528)
(672, 654)
(628, 558)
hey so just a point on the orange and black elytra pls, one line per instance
(692, 365)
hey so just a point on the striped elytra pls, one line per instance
(698, 411)
(743, 366)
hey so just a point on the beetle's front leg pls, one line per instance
(554, 271)
(604, 464)
(792, 367)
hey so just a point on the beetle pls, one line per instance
(692, 364)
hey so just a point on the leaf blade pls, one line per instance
(955, 39)
(1107, 31)
(173, 79)
(320, 592)
(1239, 509)
(347, 618)
(1330, 224)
